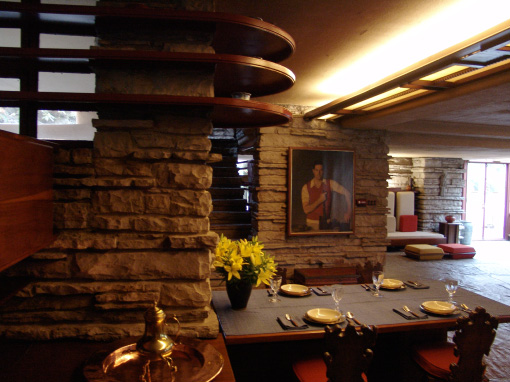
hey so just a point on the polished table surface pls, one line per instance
(257, 323)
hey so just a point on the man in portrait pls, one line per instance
(318, 201)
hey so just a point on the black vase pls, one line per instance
(239, 294)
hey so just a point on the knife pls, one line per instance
(288, 317)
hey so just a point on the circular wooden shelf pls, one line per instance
(233, 34)
(225, 112)
(233, 73)
(246, 51)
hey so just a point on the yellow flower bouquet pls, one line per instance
(243, 260)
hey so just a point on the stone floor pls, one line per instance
(488, 274)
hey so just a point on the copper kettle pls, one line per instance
(155, 342)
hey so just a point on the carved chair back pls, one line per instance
(348, 352)
(473, 339)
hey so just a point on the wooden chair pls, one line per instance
(461, 361)
(346, 358)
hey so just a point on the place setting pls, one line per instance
(287, 290)
(445, 308)
(385, 284)
(326, 316)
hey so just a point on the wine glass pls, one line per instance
(337, 293)
(451, 287)
(275, 282)
(377, 279)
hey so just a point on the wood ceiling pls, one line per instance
(470, 121)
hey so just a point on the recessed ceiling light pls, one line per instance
(455, 24)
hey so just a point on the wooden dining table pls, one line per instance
(255, 330)
(258, 322)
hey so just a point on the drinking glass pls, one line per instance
(377, 279)
(451, 287)
(275, 283)
(337, 293)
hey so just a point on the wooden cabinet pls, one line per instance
(26, 197)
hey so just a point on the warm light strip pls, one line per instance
(376, 98)
(459, 22)
(443, 73)
(403, 97)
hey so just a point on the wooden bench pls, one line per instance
(326, 276)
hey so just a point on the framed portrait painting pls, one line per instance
(320, 191)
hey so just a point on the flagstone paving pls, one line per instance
(487, 274)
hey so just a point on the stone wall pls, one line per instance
(401, 172)
(131, 228)
(439, 184)
(131, 213)
(368, 243)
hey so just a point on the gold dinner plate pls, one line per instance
(295, 290)
(439, 307)
(324, 316)
(392, 284)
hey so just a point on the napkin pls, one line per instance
(324, 292)
(409, 316)
(419, 286)
(286, 325)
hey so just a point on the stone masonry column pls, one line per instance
(132, 213)
(153, 177)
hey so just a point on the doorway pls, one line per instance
(486, 200)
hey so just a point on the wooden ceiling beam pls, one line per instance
(429, 85)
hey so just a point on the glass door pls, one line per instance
(486, 200)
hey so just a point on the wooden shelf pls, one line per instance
(247, 50)
(233, 34)
(233, 73)
(226, 112)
